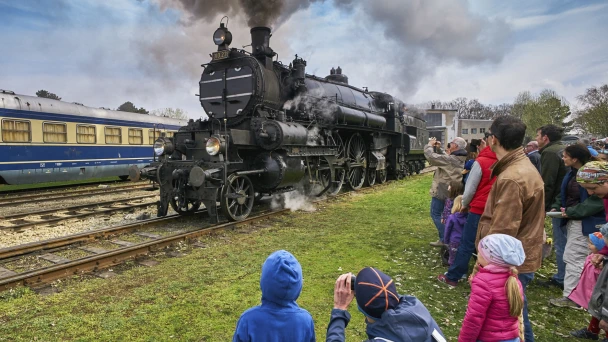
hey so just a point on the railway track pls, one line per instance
(51, 255)
(50, 216)
(47, 197)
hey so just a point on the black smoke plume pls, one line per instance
(257, 12)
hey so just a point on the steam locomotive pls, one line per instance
(272, 128)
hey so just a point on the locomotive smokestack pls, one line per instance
(260, 45)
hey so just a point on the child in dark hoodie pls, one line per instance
(453, 228)
(279, 318)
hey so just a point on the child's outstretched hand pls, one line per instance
(597, 260)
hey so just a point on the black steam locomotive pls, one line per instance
(272, 128)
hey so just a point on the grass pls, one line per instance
(199, 297)
(42, 186)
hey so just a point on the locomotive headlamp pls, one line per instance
(214, 145)
(163, 146)
(222, 36)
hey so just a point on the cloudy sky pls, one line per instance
(103, 53)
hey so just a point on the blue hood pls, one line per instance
(281, 280)
(409, 321)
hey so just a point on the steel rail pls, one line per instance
(16, 200)
(55, 219)
(114, 257)
(88, 236)
(106, 259)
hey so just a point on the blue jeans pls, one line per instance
(436, 211)
(560, 236)
(460, 266)
(525, 279)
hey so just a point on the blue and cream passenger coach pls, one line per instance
(44, 140)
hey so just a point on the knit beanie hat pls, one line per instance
(502, 250)
(375, 292)
(597, 239)
(595, 172)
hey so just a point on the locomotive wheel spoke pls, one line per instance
(237, 197)
(356, 153)
(371, 176)
(189, 206)
(381, 176)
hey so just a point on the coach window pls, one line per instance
(153, 135)
(113, 135)
(169, 134)
(16, 131)
(54, 132)
(85, 134)
(136, 136)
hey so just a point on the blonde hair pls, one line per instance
(457, 206)
(514, 295)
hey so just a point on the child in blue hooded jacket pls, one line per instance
(279, 318)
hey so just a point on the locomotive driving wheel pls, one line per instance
(371, 176)
(180, 203)
(186, 208)
(381, 176)
(356, 161)
(324, 171)
(237, 197)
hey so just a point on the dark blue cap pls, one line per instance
(375, 292)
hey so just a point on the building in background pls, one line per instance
(444, 125)
(440, 124)
(470, 129)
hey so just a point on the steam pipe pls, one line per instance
(250, 172)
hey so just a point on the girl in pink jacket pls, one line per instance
(496, 301)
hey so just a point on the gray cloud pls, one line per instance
(415, 36)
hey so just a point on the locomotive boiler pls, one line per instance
(272, 128)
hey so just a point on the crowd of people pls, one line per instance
(509, 191)
(489, 203)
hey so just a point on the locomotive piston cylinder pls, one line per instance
(279, 171)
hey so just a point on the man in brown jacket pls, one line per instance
(516, 204)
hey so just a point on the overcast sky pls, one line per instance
(103, 53)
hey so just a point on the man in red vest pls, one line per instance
(474, 198)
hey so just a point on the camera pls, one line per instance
(353, 279)
(449, 145)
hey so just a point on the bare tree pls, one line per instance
(176, 113)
